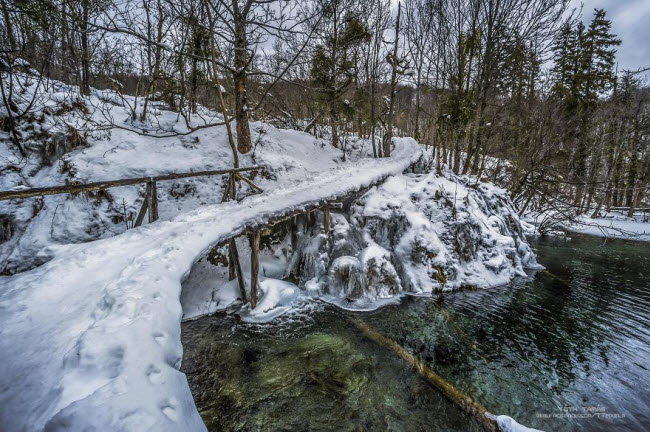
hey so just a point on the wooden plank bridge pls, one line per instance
(150, 207)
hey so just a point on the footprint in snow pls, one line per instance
(168, 408)
(160, 338)
(155, 375)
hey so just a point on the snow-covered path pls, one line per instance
(92, 337)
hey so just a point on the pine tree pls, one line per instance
(584, 72)
(334, 63)
(566, 61)
(598, 57)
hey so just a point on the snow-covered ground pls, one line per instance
(91, 338)
(613, 225)
(610, 225)
(90, 323)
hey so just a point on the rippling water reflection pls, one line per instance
(566, 349)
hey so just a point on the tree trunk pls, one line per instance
(240, 78)
(9, 30)
(84, 89)
(156, 67)
(222, 105)
(416, 121)
(388, 137)
(638, 192)
(255, 247)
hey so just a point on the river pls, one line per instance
(563, 349)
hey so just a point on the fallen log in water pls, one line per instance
(460, 399)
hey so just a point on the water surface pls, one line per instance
(564, 349)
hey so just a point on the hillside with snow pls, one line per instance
(71, 139)
(91, 316)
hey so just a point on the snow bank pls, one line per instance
(91, 338)
(612, 224)
(615, 226)
(276, 298)
(508, 424)
(419, 233)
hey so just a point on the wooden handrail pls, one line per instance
(76, 188)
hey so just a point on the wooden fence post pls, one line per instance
(143, 210)
(326, 213)
(255, 247)
(227, 190)
(234, 267)
(152, 200)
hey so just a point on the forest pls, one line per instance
(346, 215)
(520, 92)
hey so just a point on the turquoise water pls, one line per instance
(563, 349)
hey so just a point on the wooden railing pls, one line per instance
(150, 204)
(254, 230)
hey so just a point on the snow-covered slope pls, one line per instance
(90, 323)
(415, 234)
(110, 147)
(91, 338)
(455, 231)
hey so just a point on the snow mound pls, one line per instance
(508, 424)
(445, 232)
(419, 233)
(277, 298)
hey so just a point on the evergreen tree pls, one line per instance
(334, 63)
(598, 46)
(584, 72)
(566, 61)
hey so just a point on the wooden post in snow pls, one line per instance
(255, 247)
(234, 269)
(326, 213)
(152, 200)
(142, 212)
(148, 192)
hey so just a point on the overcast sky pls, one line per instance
(630, 22)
